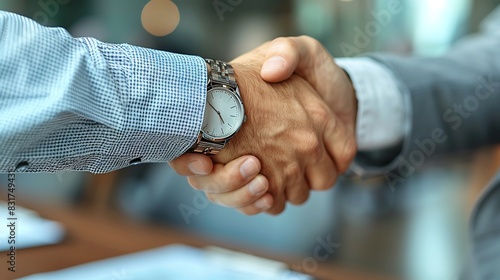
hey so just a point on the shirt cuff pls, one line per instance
(381, 114)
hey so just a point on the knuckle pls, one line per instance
(236, 178)
(314, 44)
(212, 187)
(242, 200)
(321, 114)
(332, 126)
(293, 169)
(224, 182)
(315, 148)
(285, 42)
(293, 172)
(306, 38)
(311, 146)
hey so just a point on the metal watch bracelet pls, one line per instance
(219, 74)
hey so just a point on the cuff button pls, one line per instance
(22, 166)
(135, 161)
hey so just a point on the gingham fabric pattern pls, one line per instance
(80, 104)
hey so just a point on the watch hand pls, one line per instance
(213, 107)
(218, 113)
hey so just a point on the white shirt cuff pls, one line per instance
(381, 116)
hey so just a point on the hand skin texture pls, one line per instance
(299, 134)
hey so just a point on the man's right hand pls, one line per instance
(306, 166)
(308, 58)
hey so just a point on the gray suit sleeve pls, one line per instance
(452, 101)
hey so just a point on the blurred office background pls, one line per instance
(416, 230)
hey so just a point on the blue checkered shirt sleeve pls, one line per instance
(80, 104)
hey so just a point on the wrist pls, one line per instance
(380, 114)
(245, 77)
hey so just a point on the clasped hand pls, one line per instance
(299, 133)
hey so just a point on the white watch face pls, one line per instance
(223, 114)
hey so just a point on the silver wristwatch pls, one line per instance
(224, 111)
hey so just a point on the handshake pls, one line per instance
(299, 135)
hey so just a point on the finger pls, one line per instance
(297, 190)
(191, 164)
(340, 144)
(298, 195)
(261, 205)
(229, 177)
(244, 196)
(322, 175)
(278, 185)
(279, 201)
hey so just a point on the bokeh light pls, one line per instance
(160, 17)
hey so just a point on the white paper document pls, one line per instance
(177, 262)
(28, 229)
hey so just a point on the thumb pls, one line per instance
(191, 164)
(281, 60)
(286, 56)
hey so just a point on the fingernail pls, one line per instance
(257, 187)
(262, 204)
(196, 168)
(273, 64)
(249, 168)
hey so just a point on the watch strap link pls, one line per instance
(221, 73)
(207, 147)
